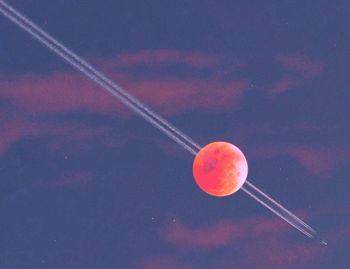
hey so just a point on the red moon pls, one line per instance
(220, 169)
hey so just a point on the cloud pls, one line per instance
(176, 96)
(320, 161)
(221, 234)
(283, 85)
(11, 131)
(250, 242)
(301, 64)
(61, 92)
(69, 135)
(57, 93)
(298, 70)
(64, 92)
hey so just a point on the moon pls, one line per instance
(220, 169)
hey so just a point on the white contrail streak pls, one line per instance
(99, 78)
(278, 209)
(144, 111)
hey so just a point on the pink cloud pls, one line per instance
(12, 131)
(176, 96)
(284, 84)
(320, 161)
(221, 234)
(251, 242)
(64, 92)
(302, 64)
(60, 92)
(58, 135)
(299, 68)
(68, 138)
(205, 238)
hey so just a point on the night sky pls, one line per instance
(87, 184)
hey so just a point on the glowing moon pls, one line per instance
(220, 169)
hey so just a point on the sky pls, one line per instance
(85, 183)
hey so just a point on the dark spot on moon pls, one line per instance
(216, 151)
(209, 164)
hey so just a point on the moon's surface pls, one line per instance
(220, 169)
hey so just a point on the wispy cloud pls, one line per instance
(301, 64)
(284, 84)
(298, 69)
(262, 241)
(11, 131)
(221, 234)
(320, 161)
(62, 92)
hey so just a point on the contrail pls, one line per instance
(278, 209)
(99, 78)
(145, 112)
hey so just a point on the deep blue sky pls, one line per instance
(84, 183)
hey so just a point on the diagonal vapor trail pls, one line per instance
(278, 209)
(145, 112)
(99, 78)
